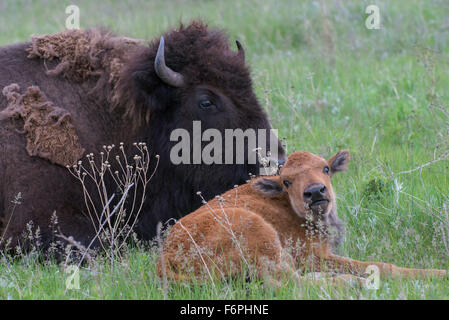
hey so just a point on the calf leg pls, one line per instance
(347, 265)
(221, 242)
(322, 278)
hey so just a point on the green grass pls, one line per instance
(348, 87)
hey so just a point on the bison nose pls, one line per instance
(316, 198)
(315, 192)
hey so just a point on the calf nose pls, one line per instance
(315, 192)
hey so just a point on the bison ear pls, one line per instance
(267, 187)
(156, 97)
(143, 79)
(339, 161)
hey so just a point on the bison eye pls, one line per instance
(326, 170)
(286, 183)
(207, 105)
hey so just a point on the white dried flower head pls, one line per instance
(265, 162)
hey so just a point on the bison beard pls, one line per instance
(104, 90)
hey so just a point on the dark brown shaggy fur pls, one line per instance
(108, 86)
(209, 61)
(83, 53)
(49, 130)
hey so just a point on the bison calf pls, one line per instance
(266, 222)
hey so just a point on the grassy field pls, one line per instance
(327, 82)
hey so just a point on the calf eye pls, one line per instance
(286, 183)
(326, 170)
(207, 105)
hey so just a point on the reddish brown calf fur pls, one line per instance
(259, 221)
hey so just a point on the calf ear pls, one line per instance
(267, 187)
(339, 161)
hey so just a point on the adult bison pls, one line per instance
(68, 94)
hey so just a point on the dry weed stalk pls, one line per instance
(114, 222)
(16, 202)
(444, 226)
(161, 255)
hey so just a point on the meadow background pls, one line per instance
(328, 83)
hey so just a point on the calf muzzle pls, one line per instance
(316, 197)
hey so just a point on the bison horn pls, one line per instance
(241, 51)
(166, 74)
